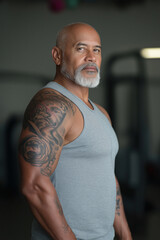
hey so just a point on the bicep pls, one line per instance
(38, 159)
(43, 133)
(39, 153)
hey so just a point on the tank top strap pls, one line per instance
(76, 100)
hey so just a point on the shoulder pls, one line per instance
(48, 104)
(50, 97)
(104, 112)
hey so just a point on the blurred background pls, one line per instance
(129, 90)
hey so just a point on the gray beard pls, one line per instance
(90, 82)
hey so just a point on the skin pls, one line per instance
(120, 223)
(52, 121)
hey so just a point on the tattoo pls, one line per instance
(58, 205)
(60, 210)
(118, 206)
(44, 117)
(118, 201)
(65, 227)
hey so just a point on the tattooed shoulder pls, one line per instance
(44, 119)
(45, 105)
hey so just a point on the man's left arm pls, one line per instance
(121, 227)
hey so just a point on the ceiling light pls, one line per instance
(150, 53)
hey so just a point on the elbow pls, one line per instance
(28, 190)
(34, 188)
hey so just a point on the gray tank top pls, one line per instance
(84, 177)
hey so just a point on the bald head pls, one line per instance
(65, 34)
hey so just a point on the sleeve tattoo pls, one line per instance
(44, 117)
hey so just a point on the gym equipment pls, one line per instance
(130, 121)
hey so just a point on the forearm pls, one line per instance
(120, 223)
(48, 211)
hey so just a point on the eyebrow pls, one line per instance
(84, 44)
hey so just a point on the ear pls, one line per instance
(56, 54)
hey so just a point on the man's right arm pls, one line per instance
(46, 122)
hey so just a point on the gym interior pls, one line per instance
(129, 90)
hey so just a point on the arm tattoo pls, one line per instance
(58, 205)
(118, 201)
(44, 117)
(65, 226)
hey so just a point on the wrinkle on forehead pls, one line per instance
(65, 34)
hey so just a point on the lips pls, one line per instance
(90, 68)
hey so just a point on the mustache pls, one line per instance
(80, 68)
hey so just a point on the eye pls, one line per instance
(97, 50)
(80, 49)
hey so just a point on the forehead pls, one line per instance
(85, 34)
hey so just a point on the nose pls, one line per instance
(90, 57)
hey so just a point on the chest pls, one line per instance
(92, 132)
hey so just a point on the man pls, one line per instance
(67, 149)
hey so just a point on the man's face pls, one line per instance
(82, 56)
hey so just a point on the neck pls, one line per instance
(79, 91)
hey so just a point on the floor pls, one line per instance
(15, 217)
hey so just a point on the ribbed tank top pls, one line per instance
(84, 178)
